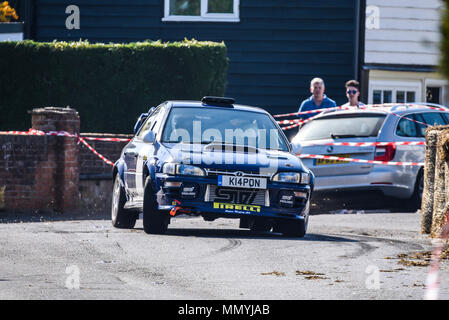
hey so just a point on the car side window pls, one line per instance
(406, 127)
(430, 118)
(445, 116)
(433, 118)
(157, 121)
(148, 124)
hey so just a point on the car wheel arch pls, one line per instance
(149, 170)
(119, 169)
(419, 175)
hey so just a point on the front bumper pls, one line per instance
(170, 197)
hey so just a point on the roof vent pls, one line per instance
(218, 101)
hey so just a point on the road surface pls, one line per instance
(343, 256)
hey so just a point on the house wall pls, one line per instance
(406, 32)
(413, 81)
(275, 49)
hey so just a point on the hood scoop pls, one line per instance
(229, 147)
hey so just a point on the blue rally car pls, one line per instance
(214, 159)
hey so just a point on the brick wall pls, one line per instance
(95, 185)
(27, 170)
(91, 164)
(41, 172)
(55, 173)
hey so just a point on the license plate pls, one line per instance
(242, 182)
(321, 162)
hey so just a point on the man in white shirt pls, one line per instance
(353, 93)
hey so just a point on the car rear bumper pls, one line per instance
(392, 183)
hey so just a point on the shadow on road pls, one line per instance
(326, 202)
(29, 216)
(246, 234)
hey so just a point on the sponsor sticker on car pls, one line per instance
(242, 182)
(237, 208)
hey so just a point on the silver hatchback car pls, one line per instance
(387, 123)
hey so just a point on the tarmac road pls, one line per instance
(352, 256)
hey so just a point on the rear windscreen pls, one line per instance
(340, 127)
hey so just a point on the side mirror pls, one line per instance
(149, 137)
(296, 148)
(139, 122)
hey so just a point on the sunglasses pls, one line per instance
(351, 91)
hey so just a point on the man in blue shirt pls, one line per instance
(318, 100)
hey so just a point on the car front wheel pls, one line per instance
(296, 228)
(120, 217)
(154, 221)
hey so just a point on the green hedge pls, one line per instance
(109, 84)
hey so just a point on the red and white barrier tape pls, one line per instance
(410, 119)
(284, 122)
(358, 144)
(108, 139)
(433, 281)
(369, 144)
(389, 163)
(31, 132)
(34, 132)
(95, 152)
(297, 122)
(310, 111)
(301, 122)
(351, 108)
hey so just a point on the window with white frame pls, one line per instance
(394, 92)
(201, 10)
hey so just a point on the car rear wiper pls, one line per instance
(341, 136)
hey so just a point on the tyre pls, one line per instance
(154, 221)
(296, 228)
(121, 217)
(415, 201)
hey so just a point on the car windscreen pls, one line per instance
(222, 125)
(343, 126)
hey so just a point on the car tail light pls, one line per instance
(384, 153)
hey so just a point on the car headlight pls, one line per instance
(305, 178)
(169, 168)
(183, 169)
(292, 177)
(188, 170)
